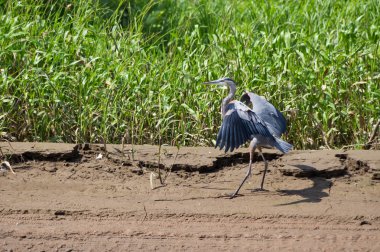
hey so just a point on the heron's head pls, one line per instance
(227, 82)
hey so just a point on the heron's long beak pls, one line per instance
(215, 82)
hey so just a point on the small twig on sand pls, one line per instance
(159, 162)
(151, 179)
(5, 162)
(146, 215)
(8, 165)
(13, 150)
(169, 170)
(125, 136)
(331, 185)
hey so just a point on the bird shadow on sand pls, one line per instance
(313, 194)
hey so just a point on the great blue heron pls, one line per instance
(262, 124)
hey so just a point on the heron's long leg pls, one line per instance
(265, 169)
(252, 147)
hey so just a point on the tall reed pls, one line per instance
(77, 70)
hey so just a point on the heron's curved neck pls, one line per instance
(227, 100)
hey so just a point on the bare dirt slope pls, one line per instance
(64, 198)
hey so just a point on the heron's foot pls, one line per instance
(233, 195)
(259, 190)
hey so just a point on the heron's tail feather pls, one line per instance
(283, 146)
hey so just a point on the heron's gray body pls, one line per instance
(261, 124)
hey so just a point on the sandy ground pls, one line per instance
(67, 197)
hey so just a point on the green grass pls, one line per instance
(77, 71)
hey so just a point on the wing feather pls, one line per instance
(274, 119)
(239, 125)
(239, 133)
(228, 135)
(235, 142)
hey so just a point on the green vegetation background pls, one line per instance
(91, 71)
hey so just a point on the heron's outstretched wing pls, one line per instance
(267, 112)
(239, 125)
